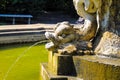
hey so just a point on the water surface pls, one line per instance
(28, 66)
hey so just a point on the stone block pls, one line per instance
(97, 68)
(88, 67)
(50, 60)
(46, 74)
(63, 65)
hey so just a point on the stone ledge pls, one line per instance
(24, 33)
(22, 38)
(97, 68)
(88, 67)
(62, 65)
(47, 75)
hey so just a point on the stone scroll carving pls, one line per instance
(67, 39)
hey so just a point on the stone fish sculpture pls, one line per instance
(67, 39)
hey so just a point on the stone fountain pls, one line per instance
(90, 51)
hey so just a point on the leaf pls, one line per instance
(15, 1)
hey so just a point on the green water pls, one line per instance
(28, 67)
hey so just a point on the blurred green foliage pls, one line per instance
(35, 6)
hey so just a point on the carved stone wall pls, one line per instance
(110, 13)
(108, 37)
(116, 8)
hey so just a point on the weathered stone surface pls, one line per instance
(97, 68)
(100, 19)
(50, 60)
(85, 67)
(107, 41)
(111, 47)
(102, 29)
(47, 75)
(106, 14)
(61, 64)
(65, 33)
(23, 33)
(21, 38)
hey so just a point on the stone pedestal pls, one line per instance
(67, 67)
(61, 64)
